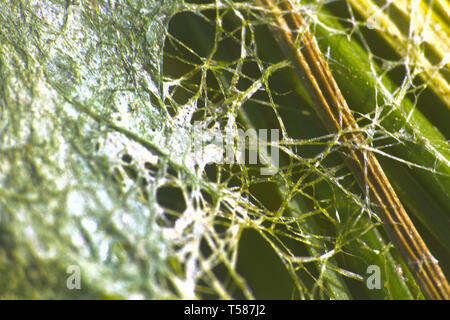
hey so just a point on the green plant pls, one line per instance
(98, 105)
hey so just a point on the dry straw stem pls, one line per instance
(426, 25)
(333, 110)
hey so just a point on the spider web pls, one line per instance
(98, 111)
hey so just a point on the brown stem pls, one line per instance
(334, 112)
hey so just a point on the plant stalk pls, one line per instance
(336, 115)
